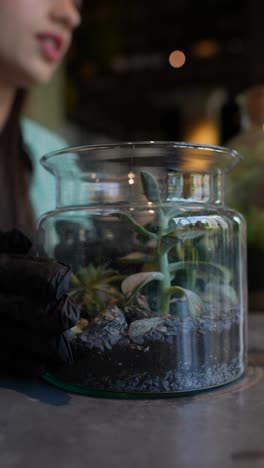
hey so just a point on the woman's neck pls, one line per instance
(7, 95)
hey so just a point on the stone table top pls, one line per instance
(42, 426)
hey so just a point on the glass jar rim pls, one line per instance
(227, 158)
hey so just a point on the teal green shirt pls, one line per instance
(39, 141)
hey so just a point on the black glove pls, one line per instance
(35, 309)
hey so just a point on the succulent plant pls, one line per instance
(165, 240)
(94, 287)
(98, 287)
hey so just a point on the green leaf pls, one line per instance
(134, 283)
(74, 280)
(173, 212)
(150, 187)
(137, 227)
(167, 242)
(172, 229)
(196, 307)
(204, 268)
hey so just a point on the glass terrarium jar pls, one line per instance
(158, 267)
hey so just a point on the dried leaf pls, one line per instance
(195, 303)
(133, 283)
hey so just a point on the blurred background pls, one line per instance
(168, 70)
(164, 70)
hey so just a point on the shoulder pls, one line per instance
(39, 140)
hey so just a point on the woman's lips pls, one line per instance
(51, 45)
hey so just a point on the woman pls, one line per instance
(34, 37)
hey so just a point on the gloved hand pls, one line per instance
(35, 309)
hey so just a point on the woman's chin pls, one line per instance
(39, 76)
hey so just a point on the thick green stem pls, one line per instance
(164, 268)
(165, 284)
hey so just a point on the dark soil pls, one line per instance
(156, 355)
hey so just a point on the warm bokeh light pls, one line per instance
(131, 177)
(203, 131)
(205, 48)
(177, 59)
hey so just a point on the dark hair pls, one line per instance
(15, 173)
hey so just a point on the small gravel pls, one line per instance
(155, 355)
(216, 375)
